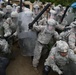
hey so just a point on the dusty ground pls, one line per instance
(22, 65)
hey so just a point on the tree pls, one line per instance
(63, 2)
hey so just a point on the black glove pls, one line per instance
(67, 28)
(30, 26)
(9, 37)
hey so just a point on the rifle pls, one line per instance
(20, 5)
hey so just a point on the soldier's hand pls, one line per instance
(67, 28)
(7, 34)
(60, 38)
(60, 72)
(15, 34)
(30, 26)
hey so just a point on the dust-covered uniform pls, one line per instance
(8, 11)
(10, 28)
(3, 43)
(61, 60)
(45, 35)
(72, 36)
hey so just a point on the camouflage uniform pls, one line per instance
(36, 10)
(72, 36)
(10, 25)
(53, 14)
(43, 21)
(8, 11)
(64, 35)
(44, 37)
(3, 43)
(4, 47)
(61, 59)
(14, 7)
(10, 28)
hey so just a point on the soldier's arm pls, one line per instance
(71, 41)
(64, 22)
(42, 20)
(17, 29)
(7, 30)
(72, 55)
(60, 27)
(5, 46)
(50, 61)
(56, 35)
(62, 35)
(38, 28)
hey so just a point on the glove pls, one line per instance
(60, 72)
(15, 34)
(30, 26)
(7, 34)
(67, 28)
(57, 70)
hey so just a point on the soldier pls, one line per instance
(70, 14)
(4, 47)
(1, 5)
(45, 35)
(18, 9)
(72, 36)
(64, 35)
(8, 11)
(36, 10)
(61, 60)
(10, 25)
(53, 14)
(57, 9)
(69, 35)
(37, 2)
(1, 17)
(14, 7)
(45, 16)
(3, 42)
(10, 28)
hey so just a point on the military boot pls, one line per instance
(46, 70)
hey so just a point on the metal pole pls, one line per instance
(8, 2)
(20, 5)
(64, 14)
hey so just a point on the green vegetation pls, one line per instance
(63, 2)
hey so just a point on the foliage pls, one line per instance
(63, 2)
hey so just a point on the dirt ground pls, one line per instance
(23, 65)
